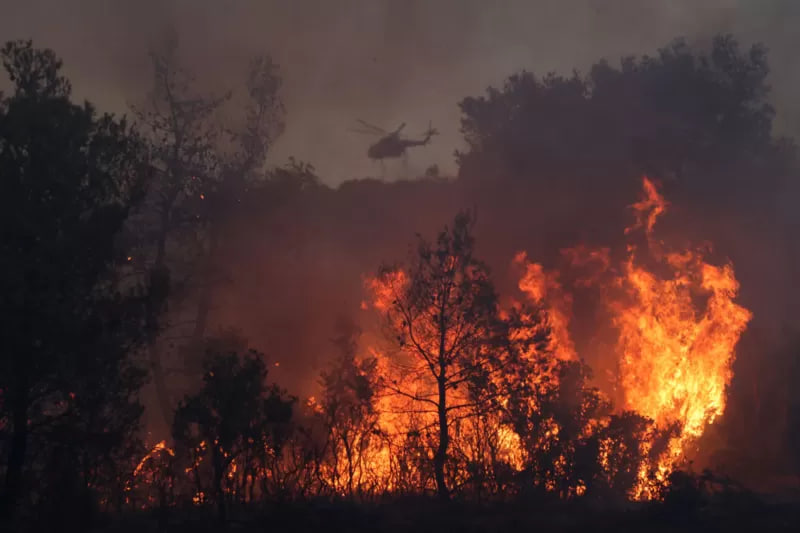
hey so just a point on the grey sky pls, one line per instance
(386, 61)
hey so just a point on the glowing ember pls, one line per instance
(158, 448)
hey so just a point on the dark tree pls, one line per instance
(204, 169)
(182, 137)
(672, 103)
(700, 121)
(241, 168)
(68, 179)
(552, 410)
(234, 412)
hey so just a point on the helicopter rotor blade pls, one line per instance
(366, 132)
(372, 127)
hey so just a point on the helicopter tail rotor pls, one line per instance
(431, 131)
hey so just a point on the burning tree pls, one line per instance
(347, 410)
(442, 315)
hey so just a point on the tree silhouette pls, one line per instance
(182, 137)
(241, 162)
(349, 416)
(71, 316)
(203, 169)
(698, 120)
(232, 413)
(442, 314)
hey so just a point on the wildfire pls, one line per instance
(529, 414)
(676, 335)
(674, 356)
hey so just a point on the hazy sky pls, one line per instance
(386, 61)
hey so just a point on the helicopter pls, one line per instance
(391, 145)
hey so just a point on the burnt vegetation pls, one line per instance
(131, 248)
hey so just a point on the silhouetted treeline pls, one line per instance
(71, 316)
(128, 253)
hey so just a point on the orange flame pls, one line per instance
(675, 356)
(676, 338)
(544, 289)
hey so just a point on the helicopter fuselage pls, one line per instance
(391, 147)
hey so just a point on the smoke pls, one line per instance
(385, 61)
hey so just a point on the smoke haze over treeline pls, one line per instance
(386, 62)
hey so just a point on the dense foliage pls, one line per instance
(71, 319)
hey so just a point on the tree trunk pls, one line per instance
(350, 472)
(208, 281)
(17, 451)
(201, 318)
(191, 364)
(219, 493)
(152, 315)
(444, 438)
